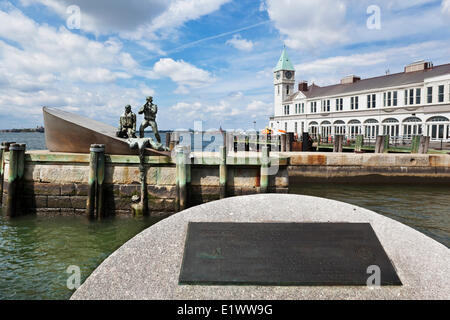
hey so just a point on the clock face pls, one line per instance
(288, 74)
(278, 75)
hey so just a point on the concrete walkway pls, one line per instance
(148, 266)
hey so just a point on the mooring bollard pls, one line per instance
(359, 143)
(338, 143)
(223, 172)
(15, 161)
(415, 143)
(96, 177)
(265, 163)
(424, 145)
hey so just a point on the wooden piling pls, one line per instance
(289, 139)
(168, 135)
(95, 200)
(265, 163)
(188, 174)
(415, 143)
(181, 179)
(100, 201)
(4, 148)
(382, 144)
(338, 143)
(424, 145)
(283, 142)
(223, 172)
(359, 143)
(15, 166)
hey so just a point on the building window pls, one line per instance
(354, 103)
(325, 105)
(430, 95)
(395, 98)
(411, 96)
(371, 101)
(287, 90)
(441, 94)
(303, 107)
(418, 94)
(339, 104)
(406, 97)
(314, 107)
(296, 127)
(296, 108)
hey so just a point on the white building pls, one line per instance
(416, 101)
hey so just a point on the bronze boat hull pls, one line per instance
(72, 133)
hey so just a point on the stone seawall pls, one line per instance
(305, 167)
(58, 183)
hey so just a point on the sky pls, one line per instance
(202, 60)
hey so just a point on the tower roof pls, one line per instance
(284, 63)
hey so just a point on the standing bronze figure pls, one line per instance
(149, 110)
(127, 124)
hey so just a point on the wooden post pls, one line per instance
(283, 142)
(181, 178)
(265, 163)
(92, 199)
(223, 172)
(289, 139)
(100, 201)
(424, 145)
(386, 143)
(338, 143)
(257, 142)
(4, 149)
(2, 167)
(168, 137)
(359, 143)
(415, 143)
(174, 140)
(13, 180)
(187, 157)
(382, 144)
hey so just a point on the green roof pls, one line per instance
(284, 63)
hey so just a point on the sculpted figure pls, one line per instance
(127, 124)
(149, 110)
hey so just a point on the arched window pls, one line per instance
(325, 123)
(354, 122)
(371, 121)
(339, 122)
(438, 119)
(390, 120)
(412, 119)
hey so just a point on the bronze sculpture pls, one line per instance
(149, 110)
(127, 124)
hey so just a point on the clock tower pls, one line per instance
(284, 82)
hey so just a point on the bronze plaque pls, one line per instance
(285, 254)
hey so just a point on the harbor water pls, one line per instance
(35, 252)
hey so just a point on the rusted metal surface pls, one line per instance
(68, 132)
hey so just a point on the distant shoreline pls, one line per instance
(38, 129)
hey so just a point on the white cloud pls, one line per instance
(446, 7)
(41, 65)
(240, 44)
(309, 23)
(331, 70)
(182, 73)
(133, 19)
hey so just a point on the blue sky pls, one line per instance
(202, 60)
